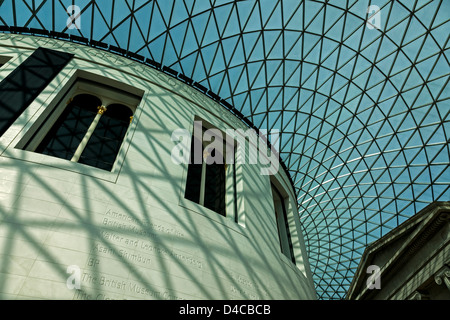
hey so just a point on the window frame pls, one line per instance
(293, 221)
(229, 172)
(282, 222)
(47, 113)
(235, 219)
(10, 59)
(80, 87)
(4, 60)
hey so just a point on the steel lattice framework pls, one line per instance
(363, 107)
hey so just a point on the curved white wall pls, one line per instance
(130, 232)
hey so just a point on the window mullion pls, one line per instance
(203, 184)
(87, 137)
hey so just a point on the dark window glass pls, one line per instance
(103, 146)
(206, 183)
(27, 81)
(194, 177)
(66, 134)
(215, 187)
(284, 235)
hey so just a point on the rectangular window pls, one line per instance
(210, 180)
(25, 83)
(284, 234)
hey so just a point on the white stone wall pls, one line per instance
(130, 232)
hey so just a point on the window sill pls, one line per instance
(212, 215)
(62, 164)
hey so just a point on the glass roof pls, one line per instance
(359, 89)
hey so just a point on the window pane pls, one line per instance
(215, 187)
(194, 177)
(66, 134)
(103, 146)
(284, 234)
(25, 83)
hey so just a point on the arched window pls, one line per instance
(104, 144)
(86, 123)
(87, 132)
(69, 130)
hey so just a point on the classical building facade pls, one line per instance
(410, 263)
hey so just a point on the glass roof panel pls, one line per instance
(359, 89)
